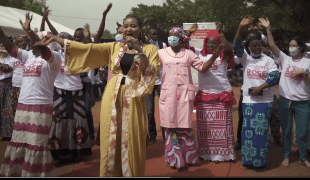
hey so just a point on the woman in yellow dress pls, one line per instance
(123, 110)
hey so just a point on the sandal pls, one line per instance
(286, 162)
(305, 163)
(244, 167)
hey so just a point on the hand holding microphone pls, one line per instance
(132, 43)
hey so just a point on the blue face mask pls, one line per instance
(173, 40)
(152, 41)
(119, 38)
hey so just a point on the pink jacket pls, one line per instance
(177, 90)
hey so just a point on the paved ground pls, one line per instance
(154, 160)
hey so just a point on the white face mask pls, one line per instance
(256, 55)
(294, 51)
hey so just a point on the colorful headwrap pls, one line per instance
(181, 33)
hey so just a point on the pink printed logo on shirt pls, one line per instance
(293, 68)
(33, 69)
(256, 72)
(18, 65)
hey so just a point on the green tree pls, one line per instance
(288, 17)
(29, 5)
(107, 35)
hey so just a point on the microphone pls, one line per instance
(129, 44)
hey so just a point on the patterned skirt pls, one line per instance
(255, 133)
(14, 94)
(69, 136)
(6, 121)
(215, 131)
(180, 147)
(28, 154)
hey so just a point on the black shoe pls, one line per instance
(237, 145)
(152, 140)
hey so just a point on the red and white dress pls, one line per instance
(28, 154)
(214, 102)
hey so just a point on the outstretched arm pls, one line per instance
(102, 25)
(274, 48)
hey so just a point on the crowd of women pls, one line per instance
(46, 97)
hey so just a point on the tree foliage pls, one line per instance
(107, 35)
(29, 5)
(287, 17)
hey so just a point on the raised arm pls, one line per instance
(215, 55)
(6, 42)
(238, 47)
(86, 33)
(102, 25)
(45, 13)
(33, 36)
(274, 48)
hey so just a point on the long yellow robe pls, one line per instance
(123, 110)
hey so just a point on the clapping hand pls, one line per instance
(264, 22)
(26, 25)
(45, 12)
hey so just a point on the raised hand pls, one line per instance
(108, 9)
(247, 20)
(26, 25)
(219, 50)
(264, 22)
(45, 12)
(86, 31)
(193, 28)
(219, 27)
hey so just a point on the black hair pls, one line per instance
(133, 16)
(79, 29)
(253, 35)
(301, 42)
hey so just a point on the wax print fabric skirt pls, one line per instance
(28, 154)
(255, 133)
(69, 136)
(6, 121)
(215, 133)
(180, 147)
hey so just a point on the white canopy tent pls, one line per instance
(9, 22)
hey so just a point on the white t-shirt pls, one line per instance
(255, 73)
(215, 79)
(18, 68)
(2, 74)
(38, 78)
(290, 87)
(69, 83)
(158, 78)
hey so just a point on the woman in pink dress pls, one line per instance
(177, 98)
